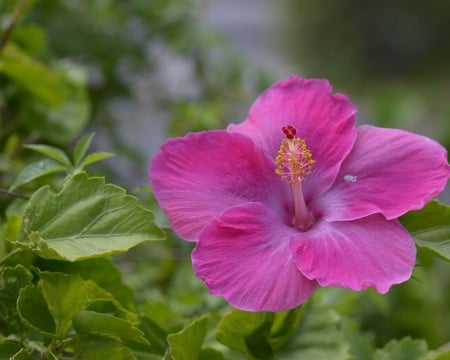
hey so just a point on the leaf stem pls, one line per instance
(13, 194)
(10, 255)
(20, 6)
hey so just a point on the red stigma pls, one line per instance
(289, 131)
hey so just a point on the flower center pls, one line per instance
(294, 161)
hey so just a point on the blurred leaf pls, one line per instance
(64, 121)
(91, 322)
(36, 170)
(34, 312)
(405, 349)
(443, 353)
(28, 72)
(430, 228)
(284, 325)
(210, 354)
(87, 219)
(52, 152)
(187, 344)
(65, 296)
(95, 347)
(360, 345)
(22, 355)
(81, 148)
(247, 332)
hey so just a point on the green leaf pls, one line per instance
(22, 355)
(443, 353)
(96, 157)
(210, 354)
(405, 349)
(103, 271)
(91, 322)
(34, 312)
(12, 280)
(28, 72)
(65, 296)
(36, 170)
(60, 123)
(87, 219)
(430, 228)
(81, 148)
(52, 152)
(8, 348)
(319, 337)
(155, 334)
(187, 344)
(246, 332)
(284, 325)
(95, 347)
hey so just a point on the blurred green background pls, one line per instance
(159, 68)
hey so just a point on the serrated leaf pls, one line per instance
(86, 219)
(95, 347)
(244, 331)
(35, 171)
(81, 148)
(430, 228)
(187, 344)
(91, 322)
(52, 152)
(96, 157)
(65, 296)
(34, 312)
(405, 349)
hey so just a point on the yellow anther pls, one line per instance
(294, 160)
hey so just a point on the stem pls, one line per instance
(10, 255)
(13, 194)
(20, 7)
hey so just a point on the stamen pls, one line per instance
(294, 162)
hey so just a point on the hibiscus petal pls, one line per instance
(196, 177)
(325, 121)
(389, 171)
(356, 254)
(244, 256)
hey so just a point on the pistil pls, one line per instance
(294, 162)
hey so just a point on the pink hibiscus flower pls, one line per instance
(296, 196)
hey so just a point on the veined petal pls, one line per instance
(244, 256)
(356, 254)
(196, 177)
(325, 121)
(388, 171)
